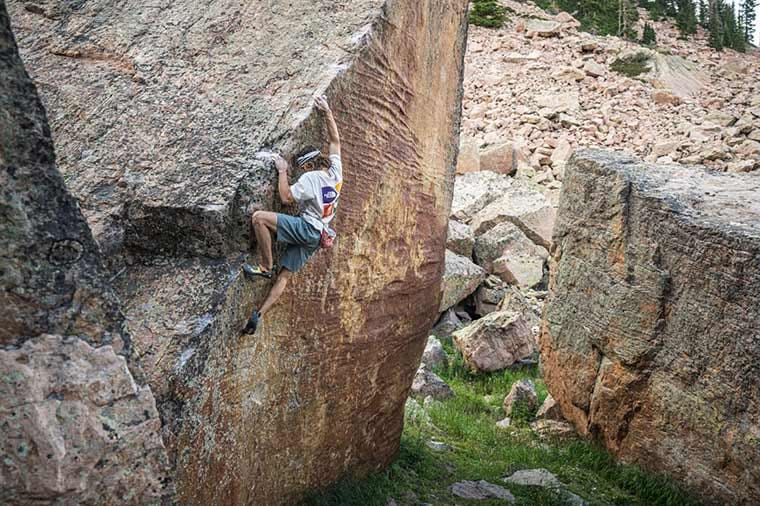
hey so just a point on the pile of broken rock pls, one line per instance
(498, 244)
(494, 282)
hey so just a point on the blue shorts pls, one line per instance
(301, 238)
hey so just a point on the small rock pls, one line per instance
(504, 423)
(427, 383)
(461, 277)
(553, 429)
(664, 97)
(501, 158)
(721, 118)
(568, 74)
(534, 478)
(593, 69)
(469, 157)
(508, 253)
(434, 354)
(447, 324)
(474, 191)
(549, 410)
(749, 148)
(556, 103)
(438, 446)
(522, 399)
(460, 239)
(481, 490)
(542, 28)
(489, 295)
(664, 148)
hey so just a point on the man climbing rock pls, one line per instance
(317, 192)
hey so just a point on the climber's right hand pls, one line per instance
(280, 163)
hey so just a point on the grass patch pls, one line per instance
(483, 451)
(488, 13)
(632, 65)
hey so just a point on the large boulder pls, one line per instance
(460, 278)
(159, 112)
(495, 341)
(523, 206)
(507, 252)
(78, 424)
(474, 191)
(651, 336)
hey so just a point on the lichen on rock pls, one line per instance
(650, 338)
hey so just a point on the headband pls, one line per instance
(307, 157)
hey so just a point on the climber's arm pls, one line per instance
(282, 180)
(332, 127)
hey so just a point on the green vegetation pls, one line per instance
(632, 65)
(488, 13)
(649, 38)
(483, 451)
(602, 17)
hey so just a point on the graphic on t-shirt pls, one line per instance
(330, 199)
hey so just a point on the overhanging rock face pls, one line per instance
(158, 111)
(651, 337)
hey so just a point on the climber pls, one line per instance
(317, 192)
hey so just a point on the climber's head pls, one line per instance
(310, 158)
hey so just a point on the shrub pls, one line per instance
(631, 65)
(488, 13)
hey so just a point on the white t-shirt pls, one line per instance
(317, 192)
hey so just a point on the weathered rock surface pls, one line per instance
(76, 427)
(495, 341)
(428, 384)
(460, 278)
(73, 418)
(460, 239)
(159, 111)
(650, 341)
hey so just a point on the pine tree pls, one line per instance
(648, 37)
(715, 25)
(748, 13)
(703, 13)
(733, 36)
(686, 19)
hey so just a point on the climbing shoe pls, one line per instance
(253, 322)
(251, 272)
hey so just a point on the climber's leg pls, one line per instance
(274, 294)
(264, 222)
(279, 286)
